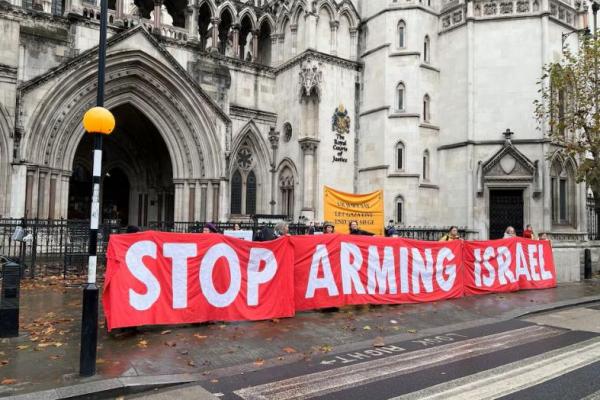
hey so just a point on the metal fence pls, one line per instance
(61, 246)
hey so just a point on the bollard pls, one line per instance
(9, 300)
(587, 264)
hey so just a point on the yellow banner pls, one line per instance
(367, 209)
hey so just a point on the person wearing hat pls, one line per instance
(328, 227)
(210, 228)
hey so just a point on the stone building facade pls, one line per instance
(227, 109)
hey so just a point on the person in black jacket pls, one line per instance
(355, 231)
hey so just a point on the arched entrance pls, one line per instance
(136, 171)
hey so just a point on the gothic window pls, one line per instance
(426, 108)
(400, 156)
(399, 210)
(236, 193)
(401, 35)
(563, 191)
(286, 189)
(251, 193)
(426, 49)
(244, 184)
(400, 97)
(287, 132)
(426, 169)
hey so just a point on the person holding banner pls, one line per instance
(355, 231)
(281, 229)
(509, 232)
(451, 235)
(328, 227)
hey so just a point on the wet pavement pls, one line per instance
(46, 354)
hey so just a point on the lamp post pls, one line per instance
(97, 121)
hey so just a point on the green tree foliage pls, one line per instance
(568, 107)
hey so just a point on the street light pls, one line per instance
(564, 36)
(97, 121)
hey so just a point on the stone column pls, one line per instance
(64, 196)
(281, 48)
(294, 30)
(236, 40)
(29, 183)
(274, 50)
(157, 7)
(43, 194)
(310, 37)
(191, 23)
(309, 147)
(52, 200)
(255, 45)
(119, 10)
(215, 201)
(353, 43)
(191, 211)
(334, 25)
(274, 140)
(203, 201)
(224, 199)
(215, 34)
(179, 200)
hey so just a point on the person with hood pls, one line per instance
(210, 228)
(354, 230)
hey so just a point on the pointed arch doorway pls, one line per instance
(137, 173)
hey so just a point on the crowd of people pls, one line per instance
(265, 233)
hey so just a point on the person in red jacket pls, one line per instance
(528, 232)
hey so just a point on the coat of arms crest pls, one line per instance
(340, 122)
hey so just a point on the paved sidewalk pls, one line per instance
(45, 356)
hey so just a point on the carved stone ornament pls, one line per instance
(311, 78)
(340, 122)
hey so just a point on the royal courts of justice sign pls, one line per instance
(341, 208)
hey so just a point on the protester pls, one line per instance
(132, 229)
(328, 227)
(281, 229)
(210, 228)
(236, 227)
(543, 236)
(390, 229)
(311, 228)
(528, 232)
(452, 234)
(354, 230)
(509, 232)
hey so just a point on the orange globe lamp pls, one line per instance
(99, 120)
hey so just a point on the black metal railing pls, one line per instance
(60, 246)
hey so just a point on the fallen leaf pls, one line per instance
(120, 398)
(191, 363)
(411, 330)
(3, 362)
(100, 361)
(55, 357)
(214, 381)
(326, 348)
(48, 344)
(259, 362)
(289, 350)
(366, 328)
(199, 336)
(166, 332)
(142, 344)
(393, 321)
(183, 352)
(378, 342)
(170, 343)
(8, 381)
(275, 320)
(22, 346)
(281, 358)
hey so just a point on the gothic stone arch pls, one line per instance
(143, 74)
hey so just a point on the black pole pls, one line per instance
(89, 318)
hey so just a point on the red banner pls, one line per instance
(169, 278)
(507, 265)
(336, 270)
